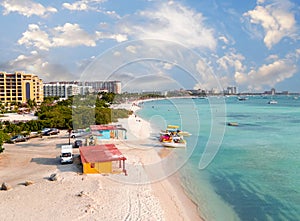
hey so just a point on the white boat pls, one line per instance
(235, 124)
(242, 98)
(174, 129)
(175, 142)
(174, 145)
(173, 137)
(272, 102)
(181, 133)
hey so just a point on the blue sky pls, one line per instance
(155, 45)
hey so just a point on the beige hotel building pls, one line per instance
(20, 87)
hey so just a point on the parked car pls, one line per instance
(51, 131)
(45, 130)
(18, 138)
(78, 143)
(33, 134)
(78, 133)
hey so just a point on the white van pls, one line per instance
(66, 155)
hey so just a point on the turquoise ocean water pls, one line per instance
(256, 172)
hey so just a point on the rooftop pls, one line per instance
(100, 153)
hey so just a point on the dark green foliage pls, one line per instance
(73, 113)
(3, 137)
(120, 98)
(119, 113)
(107, 97)
(83, 117)
(31, 103)
(150, 96)
(103, 115)
(11, 128)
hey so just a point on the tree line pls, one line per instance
(76, 112)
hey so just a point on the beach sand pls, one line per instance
(76, 196)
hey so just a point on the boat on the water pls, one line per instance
(173, 137)
(233, 124)
(272, 102)
(242, 98)
(174, 129)
(173, 141)
(175, 144)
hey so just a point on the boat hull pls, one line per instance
(174, 145)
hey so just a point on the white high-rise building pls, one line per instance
(67, 89)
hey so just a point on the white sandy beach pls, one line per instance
(75, 196)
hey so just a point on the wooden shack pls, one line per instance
(104, 158)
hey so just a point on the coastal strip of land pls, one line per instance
(26, 168)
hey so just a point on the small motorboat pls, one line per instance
(242, 98)
(175, 141)
(173, 137)
(233, 124)
(272, 102)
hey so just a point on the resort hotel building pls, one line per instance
(65, 89)
(108, 86)
(19, 87)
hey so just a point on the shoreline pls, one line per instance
(187, 208)
(89, 196)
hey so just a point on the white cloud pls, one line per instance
(209, 80)
(232, 61)
(224, 39)
(277, 20)
(35, 37)
(297, 53)
(37, 64)
(117, 53)
(267, 74)
(83, 5)
(116, 37)
(131, 49)
(112, 14)
(272, 57)
(72, 35)
(76, 6)
(26, 8)
(230, 64)
(171, 22)
(68, 35)
(167, 66)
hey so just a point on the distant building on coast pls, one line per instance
(98, 86)
(65, 89)
(274, 92)
(231, 91)
(19, 87)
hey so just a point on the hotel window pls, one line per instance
(27, 91)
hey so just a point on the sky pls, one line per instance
(155, 44)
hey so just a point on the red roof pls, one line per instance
(100, 153)
(103, 127)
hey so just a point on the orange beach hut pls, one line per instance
(104, 158)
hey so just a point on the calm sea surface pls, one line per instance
(256, 172)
